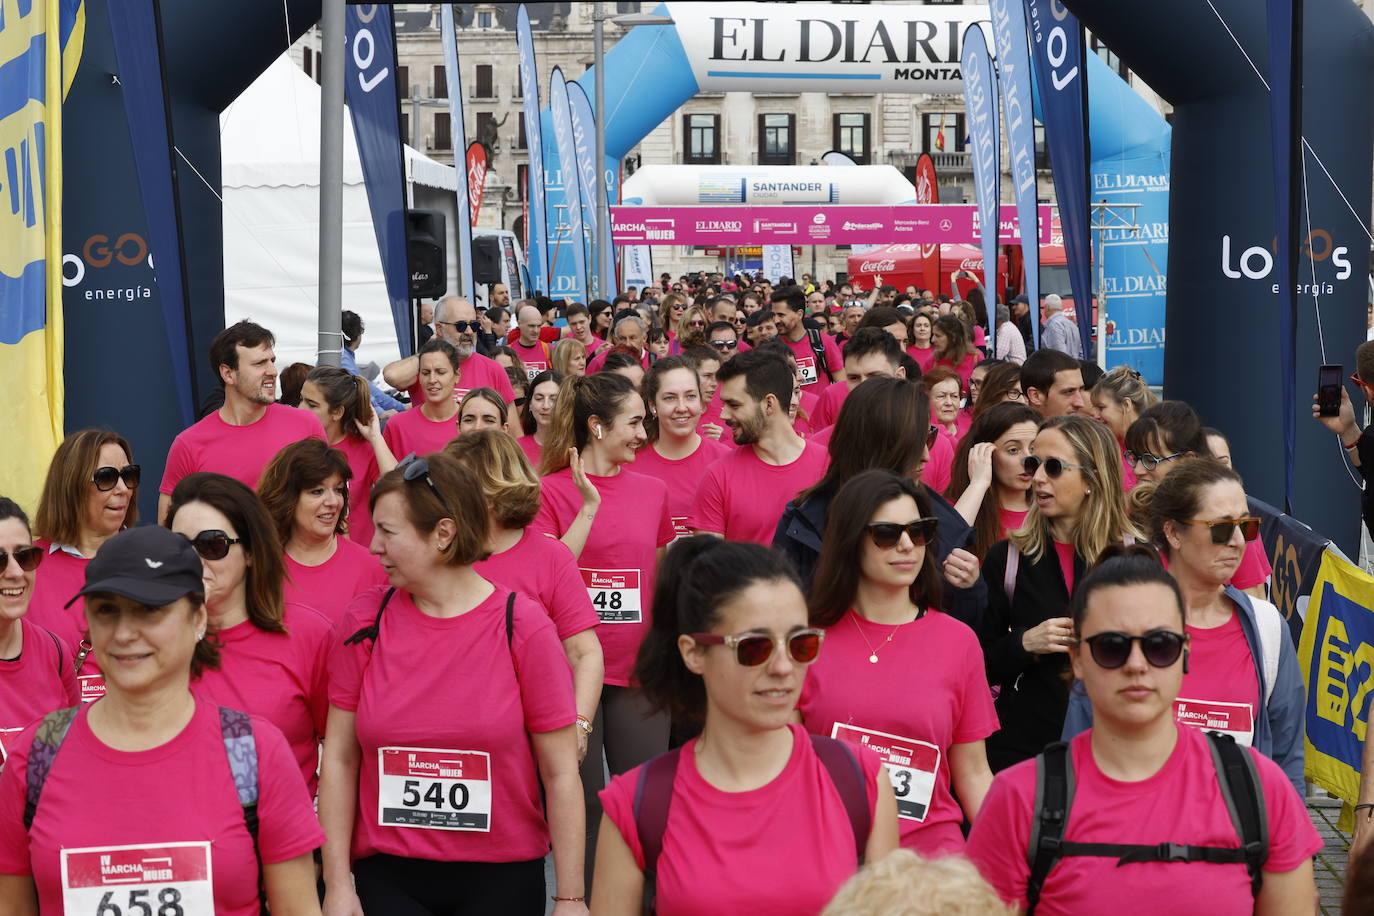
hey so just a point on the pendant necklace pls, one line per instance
(872, 652)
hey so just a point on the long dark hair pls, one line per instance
(838, 572)
(581, 397)
(882, 424)
(344, 389)
(987, 427)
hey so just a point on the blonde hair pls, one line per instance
(1102, 519)
(509, 484)
(904, 884)
(688, 336)
(1126, 386)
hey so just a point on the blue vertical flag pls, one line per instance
(1014, 80)
(535, 225)
(1060, 75)
(463, 231)
(561, 112)
(584, 145)
(980, 99)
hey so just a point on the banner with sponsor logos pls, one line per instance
(803, 225)
(569, 258)
(1295, 554)
(928, 192)
(777, 262)
(536, 226)
(638, 267)
(467, 210)
(584, 144)
(476, 160)
(980, 98)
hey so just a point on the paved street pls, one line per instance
(1331, 861)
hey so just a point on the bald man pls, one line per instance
(455, 320)
(534, 352)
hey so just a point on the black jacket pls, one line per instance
(802, 527)
(1034, 688)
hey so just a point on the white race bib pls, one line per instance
(533, 369)
(434, 789)
(615, 594)
(92, 687)
(911, 765)
(172, 879)
(680, 528)
(1234, 719)
(806, 365)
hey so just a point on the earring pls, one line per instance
(441, 547)
(597, 431)
(200, 636)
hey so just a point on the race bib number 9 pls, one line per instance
(168, 880)
(1234, 719)
(806, 365)
(434, 789)
(911, 765)
(615, 594)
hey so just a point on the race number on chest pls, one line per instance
(434, 789)
(172, 879)
(911, 765)
(1234, 719)
(806, 365)
(615, 593)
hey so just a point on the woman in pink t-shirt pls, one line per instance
(272, 653)
(750, 815)
(946, 394)
(536, 414)
(139, 808)
(450, 703)
(90, 494)
(1119, 397)
(898, 675)
(953, 350)
(921, 349)
(307, 495)
(344, 405)
(429, 426)
(988, 482)
(675, 453)
(1141, 779)
(483, 408)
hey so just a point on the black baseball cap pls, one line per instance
(151, 565)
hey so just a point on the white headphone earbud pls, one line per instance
(596, 430)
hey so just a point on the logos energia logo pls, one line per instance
(818, 219)
(852, 227)
(1257, 262)
(877, 266)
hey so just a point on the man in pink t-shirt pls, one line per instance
(743, 494)
(246, 433)
(870, 353)
(535, 352)
(818, 356)
(455, 320)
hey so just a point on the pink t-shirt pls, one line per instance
(619, 560)
(828, 406)
(598, 362)
(1220, 691)
(1254, 568)
(180, 792)
(238, 451)
(940, 466)
(1181, 803)
(1128, 478)
(543, 568)
(477, 371)
(711, 415)
(536, 358)
(533, 450)
(331, 587)
(779, 850)
(484, 804)
(279, 676)
(807, 404)
(925, 357)
(741, 497)
(813, 376)
(1065, 554)
(681, 476)
(56, 581)
(33, 684)
(1011, 519)
(964, 369)
(363, 462)
(410, 431)
(927, 692)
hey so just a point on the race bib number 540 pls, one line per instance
(168, 880)
(434, 789)
(911, 765)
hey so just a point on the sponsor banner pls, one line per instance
(1014, 83)
(1295, 553)
(928, 192)
(600, 262)
(638, 267)
(777, 262)
(477, 176)
(570, 247)
(980, 98)
(924, 224)
(536, 227)
(1134, 279)
(467, 201)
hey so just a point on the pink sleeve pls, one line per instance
(542, 670)
(617, 800)
(316, 654)
(179, 464)
(1292, 838)
(1254, 568)
(315, 429)
(665, 522)
(832, 355)
(997, 844)
(708, 509)
(937, 470)
(977, 717)
(571, 607)
(14, 839)
(550, 519)
(391, 434)
(286, 817)
(346, 663)
(501, 382)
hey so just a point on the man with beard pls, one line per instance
(744, 493)
(455, 320)
(245, 434)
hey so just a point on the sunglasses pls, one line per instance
(696, 324)
(1361, 382)
(725, 344)
(754, 649)
(1053, 466)
(1150, 462)
(413, 468)
(214, 544)
(932, 436)
(105, 478)
(1223, 527)
(461, 326)
(28, 558)
(887, 535)
(1161, 648)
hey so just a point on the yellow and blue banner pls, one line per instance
(1337, 658)
(34, 71)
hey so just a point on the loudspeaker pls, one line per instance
(486, 259)
(426, 257)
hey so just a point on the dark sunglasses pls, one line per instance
(214, 544)
(1149, 461)
(887, 535)
(725, 344)
(461, 326)
(932, 436)
(1222, 527)
(1053, 466)
(105, 478)
(696, 324)
(1161, 648)
(28, 558)
(413, 468)
(754, 649)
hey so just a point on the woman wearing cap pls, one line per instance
(536, 414)
(140, 796)
(272, 654)
(36, 672)
(898, 675)
(451, 702)
(91, 493)
(305, 490)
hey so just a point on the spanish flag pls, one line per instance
(40, 47)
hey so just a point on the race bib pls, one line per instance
(680, 529)
(459, 394)
(1234, 719)
(533, 369)
(615, 594)
(911, 765)
(806, 365)
(434, 789)
(6, 736)
(168, 880)
(92, 687)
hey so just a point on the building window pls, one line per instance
(484, 19)
(520, 134)
(1042, 152)
(483, 89)
(403, 80)
(851, 136)
(440, 82)
(1108, 56)
(486, 123)
(405, 129)
(443, 131)
(519, 84)
(942, 132)
(777, 144)
(522, 181)
(701, 140)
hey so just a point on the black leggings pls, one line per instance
(396, 886)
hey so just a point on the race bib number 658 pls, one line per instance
(168, 880)
(434, 789)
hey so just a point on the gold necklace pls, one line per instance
(872, 652)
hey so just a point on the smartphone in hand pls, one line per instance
(1329, 390)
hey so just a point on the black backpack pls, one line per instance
(1240, 789)
(374, 630)
(813, 336)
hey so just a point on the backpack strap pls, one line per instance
(818, 348)
(241, 749)
(653, 798)
(374, 631)
(848, 776)
(1269, 629)
(57, 644)
(510, 619)
(1054, 787)
(52, 731)
(1013, 566)
(1243, 793)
